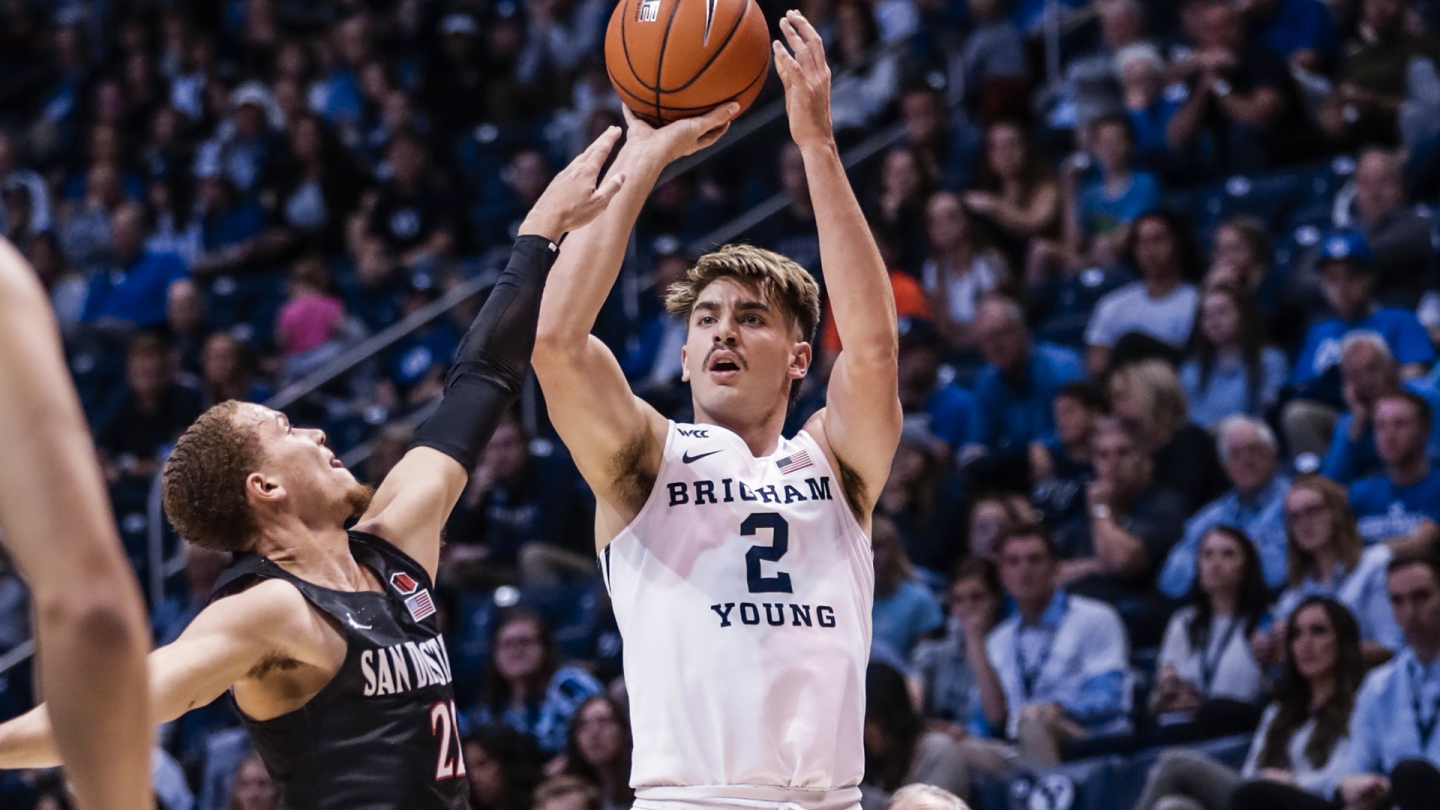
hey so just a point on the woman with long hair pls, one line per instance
(898, 207)
(898, 749)
(1017, 194)
(962, 268)
(1325, 556)
(1158, 308)
(904, 609)
(503, 767)
(1184, 455)
(525, 686)
(912, 499)
(320, 188)
(1230, 369)
(598, 750)
(1206, 669)
(863, 87)
(1303, 735)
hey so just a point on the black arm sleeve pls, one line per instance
(493, 358)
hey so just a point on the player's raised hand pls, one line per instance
(806, 77)
(572, 200)
(678, 138)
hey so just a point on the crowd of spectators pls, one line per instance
(1167, 284)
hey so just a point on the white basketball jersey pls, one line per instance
(743, 590)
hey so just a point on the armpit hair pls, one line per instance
(633, 483)
(274, 662)
(854, 488)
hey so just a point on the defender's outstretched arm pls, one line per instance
(57, 522)
(415, 499)
(227, 641)
(861, 421)
(605, 426)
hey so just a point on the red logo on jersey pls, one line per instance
(404, 583)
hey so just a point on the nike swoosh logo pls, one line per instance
(357, 625)
(686, 458)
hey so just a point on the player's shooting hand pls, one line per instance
(572, 200)
(806, 77)
(677, 138)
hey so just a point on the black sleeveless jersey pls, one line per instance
(382, 734)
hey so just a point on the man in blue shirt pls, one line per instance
(133, 290)
(923, 390)
(1347, 281)
(1059, 666)
(1015, 390)
(1402, 506)
(1250, 454)
(1367, 372)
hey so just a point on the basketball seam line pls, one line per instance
(716, 55)
(639, 100)
(625, 44)
(660, 60)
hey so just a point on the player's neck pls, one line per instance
(318, 556)
(762, 436)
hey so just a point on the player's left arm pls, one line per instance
(57, 522)
(860, 426)
(414, 500)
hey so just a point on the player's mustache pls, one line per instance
(739, 360)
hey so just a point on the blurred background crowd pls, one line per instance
(1166, 274)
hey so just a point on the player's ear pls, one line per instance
(684, 364)
(263, 488)
(800, 360)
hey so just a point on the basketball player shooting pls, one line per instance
(327, 639)
(57, 523)
(738, 561)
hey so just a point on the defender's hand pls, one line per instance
(806, 77)
(677, 138)
(572, 200)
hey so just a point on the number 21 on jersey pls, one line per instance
(445, 725)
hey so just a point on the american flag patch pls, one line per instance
(791, 463)
(420, 605)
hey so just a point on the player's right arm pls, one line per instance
(615, 437)
(228, 640)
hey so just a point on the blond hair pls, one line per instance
(1157, 387)
(781, 280)
(930, 797)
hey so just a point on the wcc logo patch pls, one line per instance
(417, 599)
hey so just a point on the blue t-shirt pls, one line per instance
(1009, 419)
(135, 294)
(1298, 25)
(1149, 126)
(1101, 213)
(900, 619)
(1400, 328)
(952, 412)
(1349, 460)
(1384, 511)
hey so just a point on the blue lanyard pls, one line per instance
(1030, 675)
(1208, 666)
(1423, 727)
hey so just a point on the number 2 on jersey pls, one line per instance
(780, 543)
(445, 725)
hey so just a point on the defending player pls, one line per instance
(57, 523)
(327, 640)
(737, 561)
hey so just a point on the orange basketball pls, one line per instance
(671, 59)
